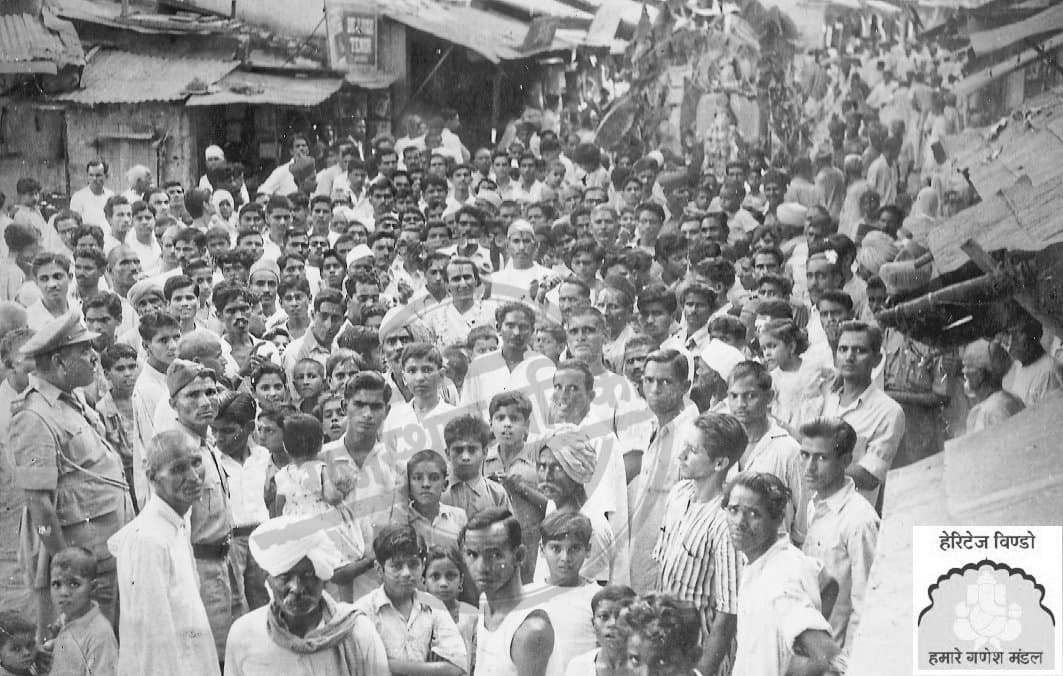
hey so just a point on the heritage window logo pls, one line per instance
(987, 600)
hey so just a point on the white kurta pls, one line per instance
(163, 627)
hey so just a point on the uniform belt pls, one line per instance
(211, 550)
(243, 531)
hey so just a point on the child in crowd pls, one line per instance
(467, 438)
(119, 363)
(308, 379)
(566, 594)
(302, 486)
(800, 388)
(550, 340)
(610, 657)
(18, 646)
(435, 523)
(86, 643)
(455, 364)
(416, 627)
(482, 339)
(341, 365)
(444, 578)
(509, 464)
(730, 330)
(332, 412)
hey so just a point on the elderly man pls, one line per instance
(984, 367)
(304, 632)
(139, 179)
(164, 628)
(75, 489)
(514, 280)
(194, 397)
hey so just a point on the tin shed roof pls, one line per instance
(115, 76)
(31, 44)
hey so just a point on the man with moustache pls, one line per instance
(194, 397)
(164, 628)
(304, 630)
(74, 487)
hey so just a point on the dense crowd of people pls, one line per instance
(546, 408)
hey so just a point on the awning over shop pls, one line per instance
(31, 44)
(114, 76)
(987, 42)
(495, 37)
(277, 90)
(976, 81)
(546, 8)
(1006, 476)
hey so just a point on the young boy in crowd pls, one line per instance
(418, 633)
(308, 379)
(435, 523)
(610, 657)
(19, 655)
(567, 595)
(119, 363)
(467, 438)
(482, 339)
(509, 464)
(549, 340)
(85, 643)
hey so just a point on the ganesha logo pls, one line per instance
(986, 616)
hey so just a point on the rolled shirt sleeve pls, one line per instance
(882, 446)
(796, 614)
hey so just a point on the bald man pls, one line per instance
(163, 626)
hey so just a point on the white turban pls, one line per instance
(281, 543)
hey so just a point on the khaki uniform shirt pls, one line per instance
(51, 432)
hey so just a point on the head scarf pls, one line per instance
(573, 451)
(220, 196)
(280, 543)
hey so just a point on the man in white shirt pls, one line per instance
(282, 181)
(652, 463)
(514, 280)
(842, 526)
(770, 447)
(1034, 374)
(781, 628)
(141, 238)
(877, 419)
(529, 189)
(90, 200)
(453, 318)
(246, 465)
(163, 625)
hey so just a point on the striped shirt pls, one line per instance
(698, 563)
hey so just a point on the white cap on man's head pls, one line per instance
(214, 153)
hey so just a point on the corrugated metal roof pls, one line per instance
(973, 483)
(114, 76)
(987, 42)
(492, 36)
(278, 90)
(28, 45)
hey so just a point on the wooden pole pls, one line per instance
(496, 104)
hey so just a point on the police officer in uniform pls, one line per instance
(72, 477)
(195, 396)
